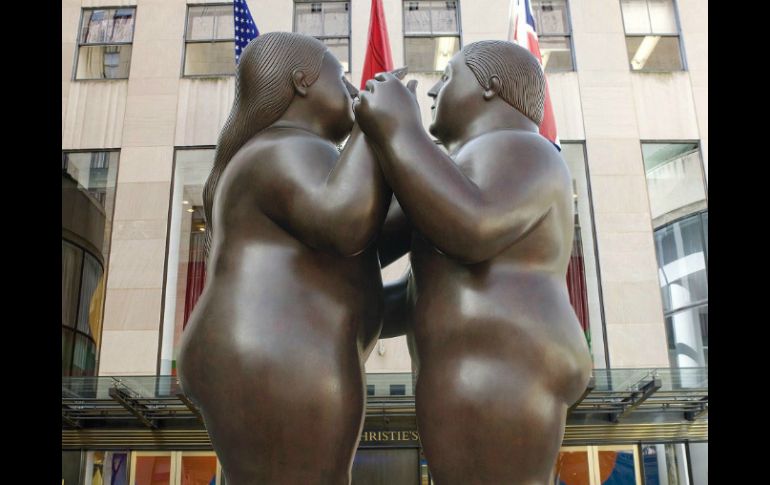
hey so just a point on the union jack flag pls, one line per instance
(522, 31)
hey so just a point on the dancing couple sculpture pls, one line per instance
(274, 352)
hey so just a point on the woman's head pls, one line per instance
(264, 89)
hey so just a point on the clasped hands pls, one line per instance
(386, 106)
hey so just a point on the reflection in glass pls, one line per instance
(106, 468)
(550, 17)
(88, 196)
(649, 16)
(104, 62)
(209, 58)
(683, 274)
(340, 47)
(429, 54)
(210, 41)
(71, 261)
(329, 22)
(199, 470)
(665, 464)
(556, 53)
(152, 470)
(107, 26)
(186, 258)
(97, 59)
(572, 468)
(582, 273)
(617, 468)
(654, 53)
(678, 206)
(430, 17)
(210, 23)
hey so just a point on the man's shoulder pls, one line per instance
(515, 147)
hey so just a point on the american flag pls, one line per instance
(245, 28)
(522, 31)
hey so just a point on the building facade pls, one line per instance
(148, 84)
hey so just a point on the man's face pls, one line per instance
(456, 96)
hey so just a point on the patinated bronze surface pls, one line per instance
(273, 353)
(501, 354)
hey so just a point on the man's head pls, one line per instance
(500, 69)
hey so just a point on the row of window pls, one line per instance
(675, 186)
(431, 36)
(649, 463)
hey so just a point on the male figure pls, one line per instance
(499, 349)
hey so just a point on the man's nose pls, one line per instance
(351, 89)
(433, 92)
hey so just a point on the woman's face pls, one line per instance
(332, 95)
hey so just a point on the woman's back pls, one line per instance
(273, 352)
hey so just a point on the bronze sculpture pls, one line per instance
(273, 353)
(499, 352)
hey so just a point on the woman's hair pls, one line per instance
(263, 91)
(521, 77)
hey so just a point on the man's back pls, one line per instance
(496, 326)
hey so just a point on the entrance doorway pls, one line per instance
(386, 466)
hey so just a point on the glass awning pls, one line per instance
(674, 399)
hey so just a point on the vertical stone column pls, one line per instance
(135, 281)
(633, 309)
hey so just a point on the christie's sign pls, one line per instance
(390, 437)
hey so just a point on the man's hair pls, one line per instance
(263, 92)
(521, 77)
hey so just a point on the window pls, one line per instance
(88, 198)
(554, 34)
(209, 48)
(106, 467)
(328, 22)
(679, 210)
(583, 269)
(431, 34)
(174, 467)
(675, 180)
(683, 273)
(104, 43)
(398, 389)
(665, 464)
(652, 35)
(186, 263)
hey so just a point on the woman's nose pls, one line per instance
(351, 89)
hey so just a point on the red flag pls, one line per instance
(378, 57)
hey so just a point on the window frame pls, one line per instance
(599, 285)
(78, 45)
(698, 214)
(678, 35)
(569, 35)
(322, 38)
(182, 75)
(431, 35)
(162, 328)
(105, 264)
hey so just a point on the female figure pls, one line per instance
(273, 353)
